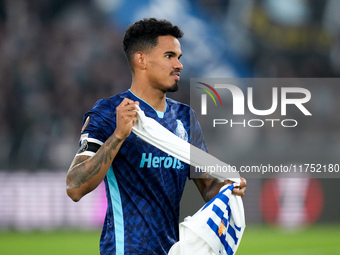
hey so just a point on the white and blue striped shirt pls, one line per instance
(217, 228)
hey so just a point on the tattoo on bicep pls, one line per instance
(85, 170)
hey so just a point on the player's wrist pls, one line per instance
(120, 136)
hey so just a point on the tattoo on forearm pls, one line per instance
(84, 168)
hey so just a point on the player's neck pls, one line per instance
(155, 98)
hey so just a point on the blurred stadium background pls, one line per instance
(57, 57)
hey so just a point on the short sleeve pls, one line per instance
(98, 126)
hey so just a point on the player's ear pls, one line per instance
(140, 60)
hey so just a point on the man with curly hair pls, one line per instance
(143, 184)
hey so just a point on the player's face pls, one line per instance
(163, 64)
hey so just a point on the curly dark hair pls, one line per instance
(143, 35)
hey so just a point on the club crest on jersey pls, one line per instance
(221, 228)
(181, 132)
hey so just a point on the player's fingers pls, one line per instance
(243, 183)
(130, 114)
(129, 117)
(126, 102)
(127, 109)
(228, 182)
(239, 191)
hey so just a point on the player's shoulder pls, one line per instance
(110, 102)
(181, 107)
(105, 109)
(178, 105)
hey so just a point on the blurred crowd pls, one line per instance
(52, 70)
(58, 57)
(292, 38)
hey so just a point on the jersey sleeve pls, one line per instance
(98, 125)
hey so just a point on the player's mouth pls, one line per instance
(176, 74)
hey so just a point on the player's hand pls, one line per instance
(126, 117)
(238, 190)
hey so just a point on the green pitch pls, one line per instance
(324, 240)
(316, 240)
(49, 243)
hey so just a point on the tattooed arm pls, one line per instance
(85, 172)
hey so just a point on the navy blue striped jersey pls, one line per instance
(144, 185)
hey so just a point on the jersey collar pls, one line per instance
(147, 107)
